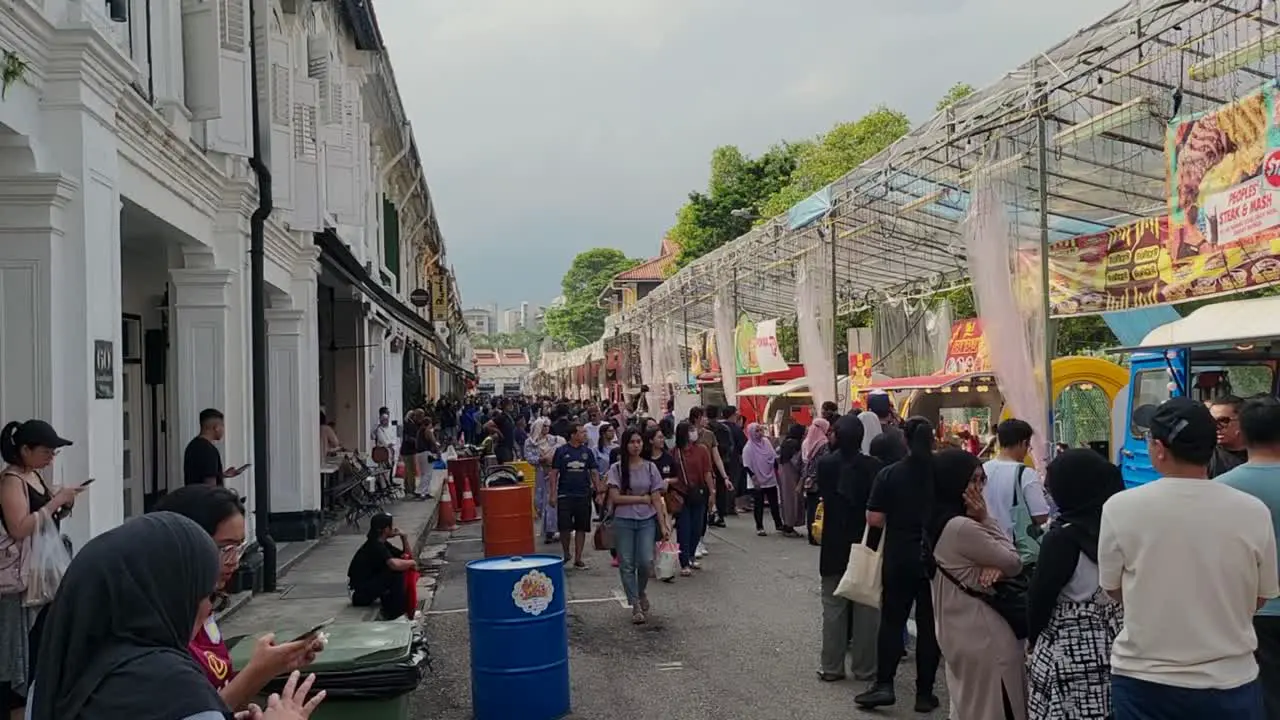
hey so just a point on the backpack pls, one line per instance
(1026, 534)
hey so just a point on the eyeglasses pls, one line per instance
(1223, 421)
(232, 553)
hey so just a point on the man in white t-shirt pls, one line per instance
(1009, 469)
(593, 425)
(1192, 560)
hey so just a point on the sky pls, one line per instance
(549, 127)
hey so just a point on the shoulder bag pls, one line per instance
(13, 557)
(1008, 597)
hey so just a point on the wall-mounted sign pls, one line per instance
(104, 370)
(419, 297)
(439, 296)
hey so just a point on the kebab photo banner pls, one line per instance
(756, 347)
(1222, 233)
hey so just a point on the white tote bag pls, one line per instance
(861, 580)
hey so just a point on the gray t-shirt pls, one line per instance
(645, 480)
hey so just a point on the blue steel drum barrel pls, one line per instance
(519, 638)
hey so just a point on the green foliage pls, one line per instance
(580, 321)
(958, 92)
(841, 149)
(737, 182)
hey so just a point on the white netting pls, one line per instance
(814, 327)
(726, 353)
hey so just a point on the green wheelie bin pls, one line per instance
(368, 670)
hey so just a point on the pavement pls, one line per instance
(313, 576)
(739, 640)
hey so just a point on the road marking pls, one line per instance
(446, 612)
(451, 541)
(622, 599)
(577, 601)
(670, 666)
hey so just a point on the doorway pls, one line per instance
(132, 408)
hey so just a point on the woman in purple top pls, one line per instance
(760, 459)
(635, 500)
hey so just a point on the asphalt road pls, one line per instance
(739, 640)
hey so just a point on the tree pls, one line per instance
(580, 320)
(737, 183)
(841, 149)
(958, 92)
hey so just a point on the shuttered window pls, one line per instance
(391, 239)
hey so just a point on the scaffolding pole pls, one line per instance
(1043, 188)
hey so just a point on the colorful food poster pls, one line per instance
(768, 354)
(967, 349)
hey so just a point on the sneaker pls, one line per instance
(761, 532)
(926, 703)
(701, 551)
(877, 696)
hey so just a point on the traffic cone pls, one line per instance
(468, 506)
(446, 520)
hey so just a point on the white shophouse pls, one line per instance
(126, 198)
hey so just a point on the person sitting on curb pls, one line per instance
(376, 572)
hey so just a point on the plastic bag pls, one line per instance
(815, 530)
(861, 580)
(668, 563)
(47, 562)
(449, 454)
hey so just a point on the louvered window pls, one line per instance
(304, 132)
(334, 110)
(318, 70)
(281, 87)
(235, 26)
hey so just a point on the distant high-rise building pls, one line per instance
(524, 315)
(481, 321)
(510, 321)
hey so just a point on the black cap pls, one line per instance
(1181, 424)
(38, 433)
(380, 522)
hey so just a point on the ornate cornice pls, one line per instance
(171, 160)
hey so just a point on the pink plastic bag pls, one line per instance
(667, 565)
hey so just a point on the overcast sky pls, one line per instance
(549, 127)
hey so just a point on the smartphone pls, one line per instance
(244, 467)
(87, 483)
(314, 631)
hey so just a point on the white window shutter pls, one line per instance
(340, 156)
(202, 54)
(308, 176)
(320, 69)
(231, 133)
(279, 92)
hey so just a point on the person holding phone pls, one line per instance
(220, 513)
(376, 572)
(202, 461)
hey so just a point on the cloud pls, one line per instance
(552, 126)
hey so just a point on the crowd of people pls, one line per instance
(1050, 594)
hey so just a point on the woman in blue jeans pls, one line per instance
(635, 495)
(695, 486)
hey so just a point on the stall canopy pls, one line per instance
(936, 381)
(1102, 100)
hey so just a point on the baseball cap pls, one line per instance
(38, 433)
(1181, 424)
(380, 522)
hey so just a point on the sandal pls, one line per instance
(686, 572)
(637, 618)
(829, 677)
(644, 604)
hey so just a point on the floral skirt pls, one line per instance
(1069, 670)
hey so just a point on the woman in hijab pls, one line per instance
(761, 462)
(1072, 622)
(817, 441)
(790, 491)
(844, 481)
(986, 672)
(118, 630)
(539, 450)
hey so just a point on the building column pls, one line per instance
(293, 458)
(198, 335)
(62, 360)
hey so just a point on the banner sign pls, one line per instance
(967, 349)
(859, 372)
(1222, 233)
(756, 347)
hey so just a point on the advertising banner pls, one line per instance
(768, 354)
(859, 372)
(1222, 233)
(756, 347)
(967, 349)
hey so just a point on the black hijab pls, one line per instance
(952, 470)
(888, 448)
(792, 443)
(115, 638)
(857, 471)
(1080, 481)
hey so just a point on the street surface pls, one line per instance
(739, 640)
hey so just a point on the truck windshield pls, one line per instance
(1151, 387)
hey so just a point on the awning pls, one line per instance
(930, 382)
(335, 255)
(1237, 322)
(798, 387)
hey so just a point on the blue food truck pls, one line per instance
(1228, 348)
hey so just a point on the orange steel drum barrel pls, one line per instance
(466, 471)
(508, 520)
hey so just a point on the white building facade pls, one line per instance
(126, 205)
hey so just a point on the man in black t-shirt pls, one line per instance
(376, 572)
(202, 462)
(505, 445)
